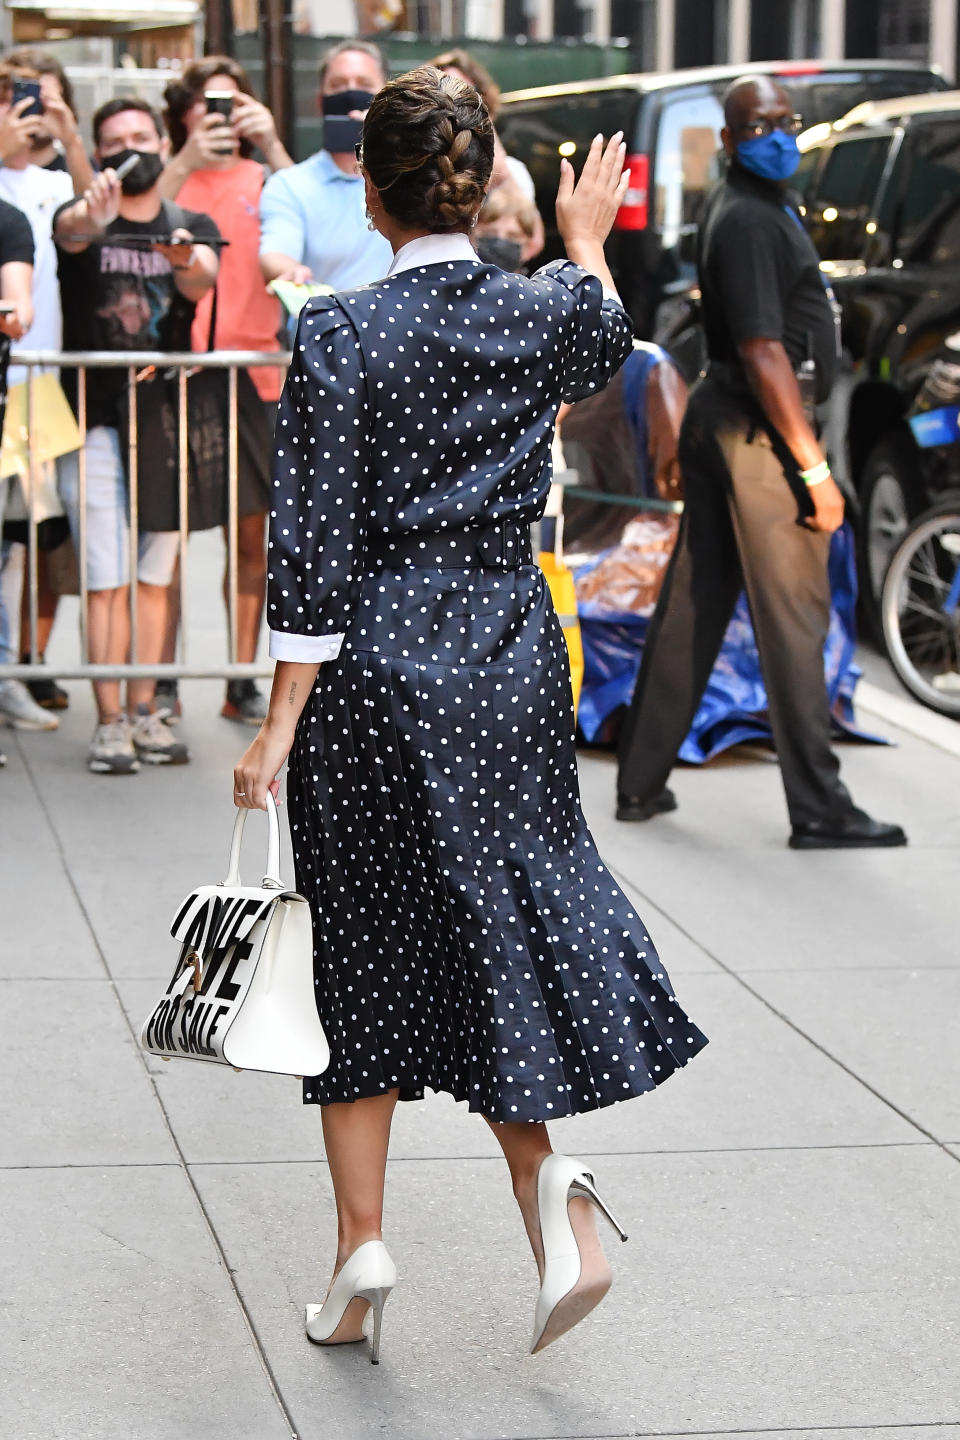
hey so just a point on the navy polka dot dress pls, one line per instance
(467, 936)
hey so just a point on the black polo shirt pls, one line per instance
(760, 279)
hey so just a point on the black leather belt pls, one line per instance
(501, 546)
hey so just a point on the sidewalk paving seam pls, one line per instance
(892, 1429)
(253, 1162)
(792, 1024)
(247, 1318)
(591, 1153)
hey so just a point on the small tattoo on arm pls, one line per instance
(291, 698)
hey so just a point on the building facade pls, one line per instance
(669, 33)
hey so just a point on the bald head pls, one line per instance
(750, 99)
(750, 91)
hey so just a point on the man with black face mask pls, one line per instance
(760, 501)
(132, 268)
(313, 215)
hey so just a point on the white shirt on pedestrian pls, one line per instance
(39, 193)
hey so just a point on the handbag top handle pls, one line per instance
(271, 879)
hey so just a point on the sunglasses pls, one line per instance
(789, 124)
(358, 151)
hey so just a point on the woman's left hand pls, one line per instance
(260, 766)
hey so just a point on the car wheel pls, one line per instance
(892, 494)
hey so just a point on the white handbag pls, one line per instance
(242, 992)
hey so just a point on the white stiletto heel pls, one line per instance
(566, 1295)
(369, 1275)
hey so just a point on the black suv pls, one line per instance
(881, 193)
(672, 124)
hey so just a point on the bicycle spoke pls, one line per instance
(923, 641)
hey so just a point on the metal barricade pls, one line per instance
(138, 364)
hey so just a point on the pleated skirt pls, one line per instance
(468, 938)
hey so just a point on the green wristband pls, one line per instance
(816, 474)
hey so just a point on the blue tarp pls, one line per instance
(734, 705)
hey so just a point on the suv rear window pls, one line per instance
(687, 163)
(535, 129)
(929, 211)
(827, 96)
(846, 189)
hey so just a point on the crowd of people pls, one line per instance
(165, 233)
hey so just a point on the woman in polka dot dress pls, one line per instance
(467, 936)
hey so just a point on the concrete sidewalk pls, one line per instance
(792, 1197)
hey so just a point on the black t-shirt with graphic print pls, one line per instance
(120, 295)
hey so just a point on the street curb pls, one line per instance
(909, 715)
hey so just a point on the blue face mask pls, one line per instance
(772, 157)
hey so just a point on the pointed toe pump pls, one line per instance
(572, 1283)
(364, 1281)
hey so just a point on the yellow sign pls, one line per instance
(55, 431)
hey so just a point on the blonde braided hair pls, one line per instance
(428, 149)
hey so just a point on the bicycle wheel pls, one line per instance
(920, 610)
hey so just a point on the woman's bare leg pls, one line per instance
(356, 1137)
(525, 1146)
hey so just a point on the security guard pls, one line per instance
(761, 503)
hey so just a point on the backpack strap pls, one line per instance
(177, 218)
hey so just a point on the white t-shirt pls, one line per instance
(38, 193)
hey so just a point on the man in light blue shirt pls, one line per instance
(313, 223)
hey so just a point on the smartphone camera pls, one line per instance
(27, 90)
(219, 102)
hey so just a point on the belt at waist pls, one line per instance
(502, 546)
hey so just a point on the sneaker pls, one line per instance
(167, 696)
(153, 741)
(245, 703)
(111, 749)
(19, 709)
(47, 693)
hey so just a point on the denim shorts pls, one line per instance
(108, 524)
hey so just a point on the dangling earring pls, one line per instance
(371, 224)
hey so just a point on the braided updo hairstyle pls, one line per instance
(428, 149)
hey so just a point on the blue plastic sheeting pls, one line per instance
(936, 427)
(734, 705)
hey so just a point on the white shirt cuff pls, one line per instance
(308, 649)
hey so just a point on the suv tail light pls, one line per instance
(799, 67)
(632, 214)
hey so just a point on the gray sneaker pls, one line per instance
(111, 749)
(155, 743)
(19, 709)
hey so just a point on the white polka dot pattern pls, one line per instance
(468, 938)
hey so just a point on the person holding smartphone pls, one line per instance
(36, 193)
(56, 143)
(313, 216)
(16, 314)
(215, 124)
(133, 267)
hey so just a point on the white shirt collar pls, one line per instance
(432, 250)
